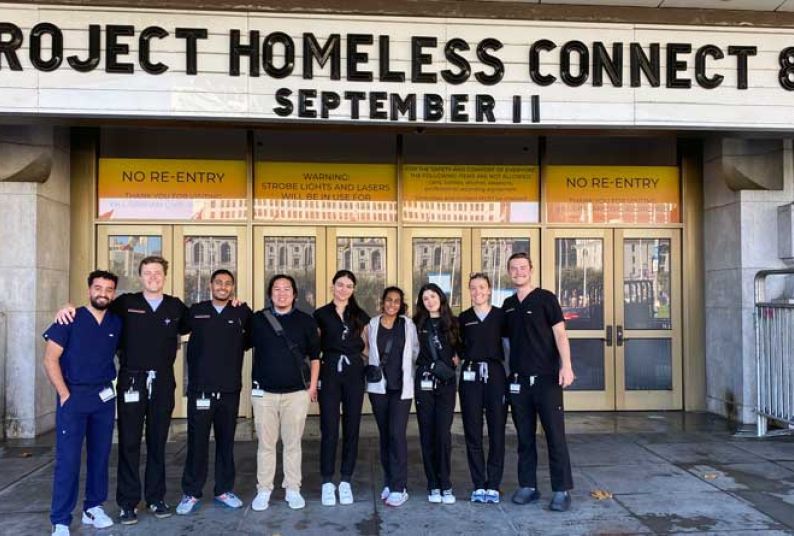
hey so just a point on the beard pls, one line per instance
(100, 305)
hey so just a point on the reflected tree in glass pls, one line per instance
(494, 253)
(125, 253)
(647, 283)
(579, 269)
(437, 260)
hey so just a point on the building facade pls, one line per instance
(640, 155)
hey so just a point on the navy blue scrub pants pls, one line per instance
(83, 417)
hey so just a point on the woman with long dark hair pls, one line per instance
(393, 347)
(342, 324)
(435, 388)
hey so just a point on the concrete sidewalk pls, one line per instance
(667, 473)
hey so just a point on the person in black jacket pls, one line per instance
(343, 339)
(219, 337)
(152, 323)
(283, 338)
(483, 387)
(434, 388)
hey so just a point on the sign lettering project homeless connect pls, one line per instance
(393, 69)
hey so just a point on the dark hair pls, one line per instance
(519, 255)
(354, 314)
(221, 271)
(480, 275)
(449, 323)
(291, 282)
(102, 274)
(396, 290)
(153, 259)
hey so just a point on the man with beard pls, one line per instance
(152, 322)
(219, 336)
(78, 360)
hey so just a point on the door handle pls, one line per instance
(619, 331)
(609, 336)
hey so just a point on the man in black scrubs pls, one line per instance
(152, 322)
(540, 368)
(219, 337)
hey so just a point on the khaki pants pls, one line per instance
(285, 415)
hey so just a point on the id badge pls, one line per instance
(515, 388)
(469, 375)
(132, 397)
(202, 403)
(426, 385)
(319, 384)
(257, 393)
(107, 394)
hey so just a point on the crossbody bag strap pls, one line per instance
(293, 348)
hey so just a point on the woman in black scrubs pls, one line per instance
(393, 347)
(435, 388)
(483, 385)
(342, 323)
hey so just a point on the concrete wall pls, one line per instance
(740, 236)
(34, 277)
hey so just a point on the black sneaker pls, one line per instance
(128, 516)
(160, 510)
(560, 501)
(526, 496)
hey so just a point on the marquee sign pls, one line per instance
(56, 60)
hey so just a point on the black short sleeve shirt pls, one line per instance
(337, 336)
(528, 325)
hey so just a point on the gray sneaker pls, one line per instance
(526, 495)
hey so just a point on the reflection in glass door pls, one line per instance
(578, 269)
(370, 254)
(491, 248)
(440, 256)
(648, 320)
(200, 250)
(120, 249)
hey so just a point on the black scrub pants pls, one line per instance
(434, 411)
(544, 400)
(153, 414)
(391, 415)
(478, 397)
(344, 388)
(222, 417)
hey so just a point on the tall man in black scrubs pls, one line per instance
(152, 323)
(540, 368)
(79, 361)
(219, 337)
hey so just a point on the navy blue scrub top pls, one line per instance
(88, 347)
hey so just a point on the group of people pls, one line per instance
(516, 356)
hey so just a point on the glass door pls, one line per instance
(578, 268)
(491, 248)
(200, 250)
(648, 347)
(441, 256)
(120, 249)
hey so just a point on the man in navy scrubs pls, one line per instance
(78, 359)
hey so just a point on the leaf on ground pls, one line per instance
(600, 494)
(711, 476)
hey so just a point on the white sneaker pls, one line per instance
(295, 499)
(345, 493)
(434, 496)
(97, 517)
(385, 493)
(60, 530)
(397, 498)
(229, 500)
(261, 501)
(187, 505)
(448, 497)
(329, 494)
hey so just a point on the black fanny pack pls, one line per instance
(438, 368)
(374, 373)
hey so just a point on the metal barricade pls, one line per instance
(774, 347)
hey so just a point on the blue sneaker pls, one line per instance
(478, 496)
(229, 500)
(187, 505)
(492, 496)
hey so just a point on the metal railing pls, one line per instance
(774, 348)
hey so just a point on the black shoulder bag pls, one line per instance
(300, 359)
(438, 368)
(374, 373)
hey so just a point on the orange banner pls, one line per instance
(147, 178)
(473, 183)
(325, 181)
(612, 194)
